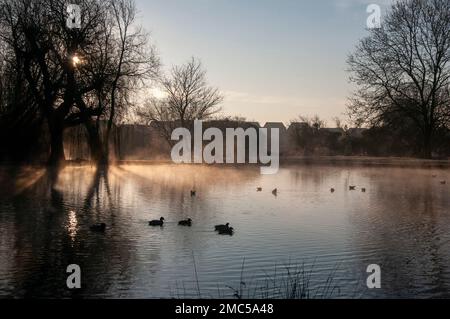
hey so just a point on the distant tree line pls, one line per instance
(311, 137)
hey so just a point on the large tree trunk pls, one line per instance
(95, 145)
(106, 140)
(111, 140)
(427, 147)
(57, 157)
(106, 150)
(117, 144)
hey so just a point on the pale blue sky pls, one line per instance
(272, 59)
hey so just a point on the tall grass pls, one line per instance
(283, 282)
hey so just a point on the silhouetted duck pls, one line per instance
(332, 190)
(443, 182)
(100, 228)
(259, 189)
(352, 188)
(275, 192)
(363, 190)
(193, 193)
(186, 222)
(227, 231)
(159, 222)
(222, 227)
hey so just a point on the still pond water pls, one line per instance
(402, 223)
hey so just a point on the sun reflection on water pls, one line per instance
(72, 225)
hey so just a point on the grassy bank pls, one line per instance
(290, 282)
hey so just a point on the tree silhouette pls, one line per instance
(187, 97)
(77, 76)
(403, 69)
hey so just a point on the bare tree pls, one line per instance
(20, 118)
(124, 59)
(403, 69)
(78, 76)
(187, 97)
(45, 50)
(314, 122)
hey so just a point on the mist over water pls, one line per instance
(401, 223)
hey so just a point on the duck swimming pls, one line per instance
(259, 189)
(159, 222)
(222, 227)
(186, 222)
(275, 192)
(352, 188)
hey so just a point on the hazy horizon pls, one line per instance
(272, 60)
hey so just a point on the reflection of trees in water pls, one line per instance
(399, 223)
(401, 226)
(36, 212)
(320, 178)
(95, 192)
(43, 246)
(306, 176)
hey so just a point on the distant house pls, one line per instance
(224, 124)
(254, 124)
(336, 130)
(138, 142)
(297, 126)
(278, 125)
(153, 141)
(356, 132)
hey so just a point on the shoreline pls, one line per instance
(323, 160)
(407, 162)
(369, 161)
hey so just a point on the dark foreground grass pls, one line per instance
(288, 281)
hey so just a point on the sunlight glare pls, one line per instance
(158, 93)
(76, 61)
